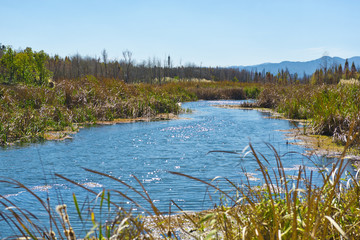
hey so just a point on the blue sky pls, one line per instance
(211, 33)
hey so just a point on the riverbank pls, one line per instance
(333, 110)
(303, 134)
(67, 132)
(32, 113)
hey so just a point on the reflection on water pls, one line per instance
(149, 150)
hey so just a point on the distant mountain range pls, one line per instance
(301, 68)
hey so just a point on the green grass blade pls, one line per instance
(77, 207)
(108, 200)
(102, 199)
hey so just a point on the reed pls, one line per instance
(281, 208)
(28, 112)
(331, 109)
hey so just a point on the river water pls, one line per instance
(149, 150)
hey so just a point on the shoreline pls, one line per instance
(320, 145)
(65, 134)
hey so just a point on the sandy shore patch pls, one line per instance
(159, 117)
(66, 134)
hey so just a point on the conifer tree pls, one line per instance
(353, 70)
(346, 69)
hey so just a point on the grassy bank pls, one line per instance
(333, 110)
(223, 90)
(28, 112)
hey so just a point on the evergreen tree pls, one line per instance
(353, 70)
(346, 66)
(346, 70)
(340, 71)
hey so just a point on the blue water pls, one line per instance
(149, 150)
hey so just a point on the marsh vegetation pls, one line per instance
(40, 94)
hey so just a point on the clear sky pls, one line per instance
(207, 32)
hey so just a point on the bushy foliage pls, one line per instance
(24, 66)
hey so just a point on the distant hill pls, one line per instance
(300, 68)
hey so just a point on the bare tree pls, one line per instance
(104, 58)
(75, 66)
(325, 64)
(128, 63)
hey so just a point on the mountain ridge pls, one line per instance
(299, 67)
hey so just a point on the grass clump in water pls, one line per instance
(331, 109)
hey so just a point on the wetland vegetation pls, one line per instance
(40, 94)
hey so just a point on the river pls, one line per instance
(149, 150)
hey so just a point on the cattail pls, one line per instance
(72, 234)
(68, 231)
(52, 235)
(59, 209)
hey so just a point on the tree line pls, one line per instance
(334, 74)
(33, 67)
(37, 68)
(25, 66)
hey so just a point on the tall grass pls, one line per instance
(224, 90)
(330, 108)
(281, 208)
(28, 112)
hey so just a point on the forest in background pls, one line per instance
(37, 68)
